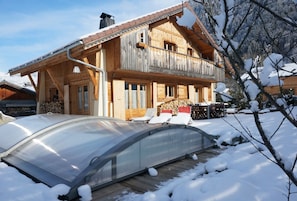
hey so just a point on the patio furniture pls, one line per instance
(183, 116)
(150, 113)
(165, 116)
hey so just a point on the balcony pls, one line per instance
(180, 64)
(157, 60)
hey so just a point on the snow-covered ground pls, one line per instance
(239, 173)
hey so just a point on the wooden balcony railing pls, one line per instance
(180, 64)
(158, 60)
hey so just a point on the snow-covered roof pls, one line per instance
(16, 81)
(289, 69)
(116, 30)
(125, 22)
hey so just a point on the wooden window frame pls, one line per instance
(141, 40)
(83, 104)
(190, 52)
(170, 46)
(170, 91)
(135, 101)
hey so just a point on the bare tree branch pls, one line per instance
(274, 14)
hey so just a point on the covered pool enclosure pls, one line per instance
(98, 151)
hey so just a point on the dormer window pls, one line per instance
(170, 46)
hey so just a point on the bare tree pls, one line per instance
(234, 35)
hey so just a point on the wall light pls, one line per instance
(76, 69)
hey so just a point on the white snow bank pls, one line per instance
(239, 173)
(217, 164)
(15, 186)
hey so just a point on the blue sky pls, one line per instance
(32, 28)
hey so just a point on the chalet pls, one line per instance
(123, 69)
(16, 97)
(283, 82)
(287, 75)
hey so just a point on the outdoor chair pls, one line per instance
(183, 116)
(149, 114)
(165, 116)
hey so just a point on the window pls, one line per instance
(196, 95)
(54, 94)
(141, 40)
(190, 52)
(142, 37)
(83, 98)
(170, 46)
(80, 101)
(169, 91)
(142, 96)
(135, 96)
(86, 98)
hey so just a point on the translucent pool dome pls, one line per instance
(77, 150)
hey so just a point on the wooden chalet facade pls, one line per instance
(129, 67)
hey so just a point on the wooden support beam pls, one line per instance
(40, 94)
(56, 82)
(94, 78)
(32, 82)
(97, 60)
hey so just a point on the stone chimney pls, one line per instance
(106, 20)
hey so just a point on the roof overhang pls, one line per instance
(36, 64)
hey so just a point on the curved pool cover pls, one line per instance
(77, 150)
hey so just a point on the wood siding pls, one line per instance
(10, 93)
(113, 53)
(133, 57)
